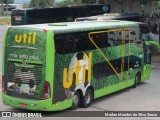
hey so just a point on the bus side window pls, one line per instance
(97, 40)
(59, 44)
(128, 38)
(65, 43)
(83, 42)
(117, 39)
(70, 44)
(105, 40)
(101, 39)
(75, 42)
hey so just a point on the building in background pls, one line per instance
(8, 8)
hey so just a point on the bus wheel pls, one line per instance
(87, 99)
(75, 100)
(137, 79)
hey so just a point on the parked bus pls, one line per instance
(57, 14)
(56, 66)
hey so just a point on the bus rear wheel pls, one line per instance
(75, 100)
(137, 79)
(87, 99)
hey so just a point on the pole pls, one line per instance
(7, 8)
(1, 11)
(159, 32)
(122, 6)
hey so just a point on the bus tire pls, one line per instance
(137, 79)
(87, 98)
(75, 100)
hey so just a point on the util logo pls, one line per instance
(29, 38)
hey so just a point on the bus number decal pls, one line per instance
(78, 68)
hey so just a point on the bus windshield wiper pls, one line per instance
(25, 47)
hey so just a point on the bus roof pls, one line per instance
(66, 27)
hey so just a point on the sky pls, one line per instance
(21, 1)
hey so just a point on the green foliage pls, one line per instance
(68, 2)
(8, 1)
(41, 3)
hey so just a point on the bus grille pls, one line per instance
(23, 75)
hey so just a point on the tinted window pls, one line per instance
(136, 19)
(103, 69)
(74, 42)
(52, 15)
(144, 29)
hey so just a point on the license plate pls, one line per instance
(22, 105)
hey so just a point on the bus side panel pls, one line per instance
(108, 84)
(126, 82)
(73, 71)
(50, 65)
(108, 90)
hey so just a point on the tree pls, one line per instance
(41, 3)
(64, 3)
(8, 1)
(68, 2)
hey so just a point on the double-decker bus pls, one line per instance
(56, 66)
(57, 14)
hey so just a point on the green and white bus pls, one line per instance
(50, 67)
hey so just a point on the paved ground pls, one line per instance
(2, 29)
(145, 97)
